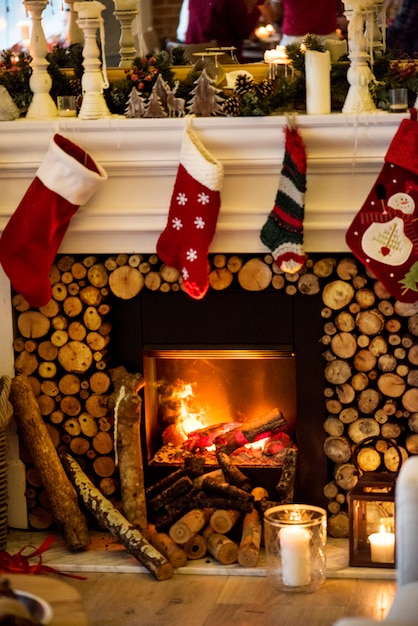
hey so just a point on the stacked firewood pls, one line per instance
(371, 395)
(192, 514)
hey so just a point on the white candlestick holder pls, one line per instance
(359, 74)
(126, 42)
(94, 79)
(42, 105)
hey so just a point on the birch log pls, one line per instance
(109, 516)
(61, 494)
(128, 445)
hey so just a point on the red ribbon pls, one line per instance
(19, 563)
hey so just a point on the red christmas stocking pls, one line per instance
(384, 234)
(193, 214)
(66, 179)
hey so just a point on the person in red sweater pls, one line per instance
(299, 17)
(228, 22)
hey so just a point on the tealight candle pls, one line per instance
(294, 546)
(382, 547)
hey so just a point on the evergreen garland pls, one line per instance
(268, 97)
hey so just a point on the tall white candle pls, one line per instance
(318, 82)
(295, 554)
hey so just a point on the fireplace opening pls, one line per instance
(203, 400)
(236, 320)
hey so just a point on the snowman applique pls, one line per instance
(387, 241)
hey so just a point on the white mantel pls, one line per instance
(141, 156)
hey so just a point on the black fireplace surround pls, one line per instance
(237, 319)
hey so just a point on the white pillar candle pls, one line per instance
(318, 82)
(295, 554)
(382, 547)
(337, 48)
(125, 5)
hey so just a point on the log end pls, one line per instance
(164, 572)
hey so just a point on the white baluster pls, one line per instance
(94, 78)
(359, 74)
(126, 42)
(42, 105)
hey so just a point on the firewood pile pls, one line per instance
(369, 343)
(371, 394)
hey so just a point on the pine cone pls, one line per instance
(243, 84)
(232, 106)
(265, 88)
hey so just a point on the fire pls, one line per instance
(192, 429)
(187, 421)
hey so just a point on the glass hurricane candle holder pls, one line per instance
(295, 539)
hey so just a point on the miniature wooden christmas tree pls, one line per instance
(206, 100)
(154, 106)
(136, 104)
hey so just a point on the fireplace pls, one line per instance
(141, 156)
(267, 337)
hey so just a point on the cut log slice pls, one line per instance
(363, 428)
(337, 449)
(126, 282)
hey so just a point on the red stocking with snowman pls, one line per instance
(384, 234)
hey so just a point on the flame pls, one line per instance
(187, 420)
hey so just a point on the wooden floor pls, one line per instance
(111, 599)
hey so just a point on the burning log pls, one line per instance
(251, 431)
(286, 486)
(168, 548)
(189, 525)
(128, 445)
(206, 437)
(221, 547)
(232, 473)
(61, 494)
(108, 515)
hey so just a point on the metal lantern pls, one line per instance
(371, 509)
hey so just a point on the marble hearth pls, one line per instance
(345, 154)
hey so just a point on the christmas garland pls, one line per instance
(130, 93)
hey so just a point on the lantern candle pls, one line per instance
(294, 546)
(382, 545)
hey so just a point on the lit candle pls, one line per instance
(24, 31)
(295, 553)
(275, 57)
(382, 546)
